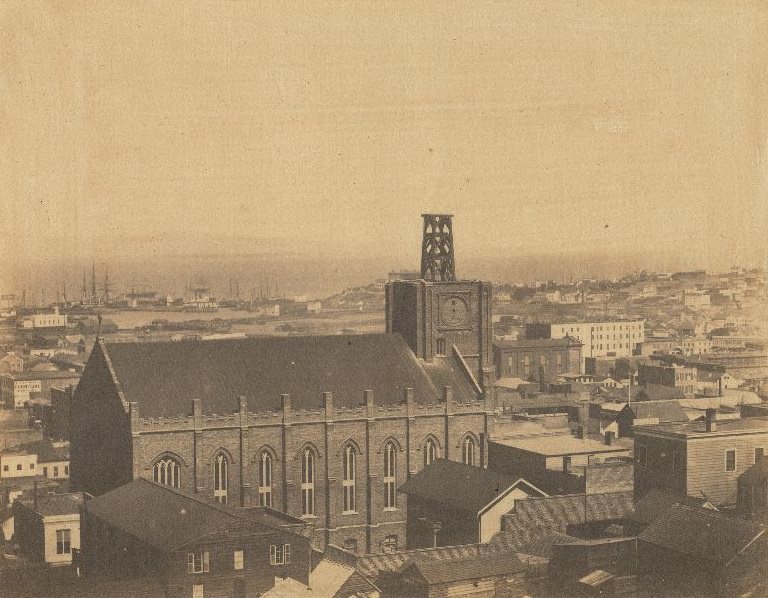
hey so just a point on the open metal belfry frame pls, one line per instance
(437, 260)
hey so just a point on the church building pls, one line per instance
(325, 428)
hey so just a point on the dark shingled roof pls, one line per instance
(490, 565)
(757, 474)
(657, 502)
(665, 411)
(458, 485)
(56, 504)
(164, 377)
(701, 533)
(167, 518)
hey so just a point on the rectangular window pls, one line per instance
(45, 471)
(197, 591)
(280, 554)
(198, 562)
(18, 467)
(730, 460)
(5, 468)
(31, 465)
(63, 541)
(389, 544)
(238, 560)
(55, 471)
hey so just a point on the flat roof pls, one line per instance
(41, 375)
(556, 445)
(697, 429)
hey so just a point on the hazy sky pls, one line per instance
(145, 130)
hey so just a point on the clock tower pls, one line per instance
(438, 315)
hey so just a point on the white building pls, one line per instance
(45, 320)
(603, 339)
(47, 528)
(18, 464)
(692, 345)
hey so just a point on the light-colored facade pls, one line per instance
(16, 389)
(693, 345)
(47, 528)
(47, 320)
(603, 339)
(18, 465)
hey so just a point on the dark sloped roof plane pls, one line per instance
(164, 377)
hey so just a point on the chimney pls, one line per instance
(711, 423)
(608, 438)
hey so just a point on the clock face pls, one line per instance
(453, 311)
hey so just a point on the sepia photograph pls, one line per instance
(356, 299)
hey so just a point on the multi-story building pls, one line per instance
(17, 389)
(18, 463)
(47, 527)
(531, 358)
(603, 339)
(693, 345)
(700, 458)
(696, 299)
(44, 320)
(193, 547)
(672, 375)
(323, 428)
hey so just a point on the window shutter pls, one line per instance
(272, 554)
(206, 566)
(287, 553)
(190, 562)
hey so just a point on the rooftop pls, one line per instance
(657, 502)
(701, 533)
(697, 429)
(564, 342)
(556, 445)
(167, 518)
(56, 504)
(462, 486)
(261, 369)
(44, 375)
(491, 565)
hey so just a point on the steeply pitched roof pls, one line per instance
(701, 533)
(657, 502)
(491, 565)
(166, 518)
(164, 377)
(461, 486)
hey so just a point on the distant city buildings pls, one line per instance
(602, 339)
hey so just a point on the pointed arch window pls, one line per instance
(167, 471)
(430, 452)
(468, 451)
(265, 479)
(441, 346)
(308, 482)
(349, 464)
(390, 476)
(220, 478)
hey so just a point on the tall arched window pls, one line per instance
(430, 452)
(166, 471)
(441, 346)
(265, 479)
(308, 482)
(468, 451)
(390, 476)
(220, 478)
(349, 464)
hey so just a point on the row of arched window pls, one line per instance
(167, 471)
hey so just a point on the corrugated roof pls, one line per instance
(491, 565)
(656, 502)
(164, 517)
(701, 533)
(460, 486)
(164, 377)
